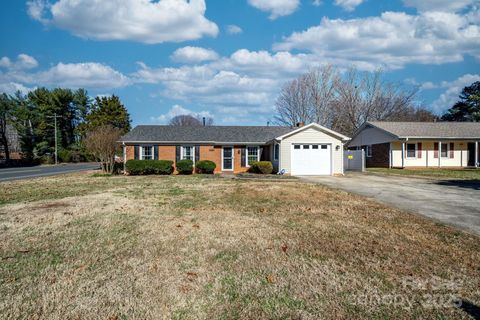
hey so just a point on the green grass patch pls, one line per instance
(462, 174)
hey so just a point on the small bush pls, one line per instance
(262, 167)
(47, 159)
(205, 166)
(65, 155)
(143, 167)
(185, 166)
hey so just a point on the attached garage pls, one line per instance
(311, 159)
(312, 150)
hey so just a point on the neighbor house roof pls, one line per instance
(453, 130)
(210, 134)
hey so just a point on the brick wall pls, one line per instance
(212, 153)
(380, 156)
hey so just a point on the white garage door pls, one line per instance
(311, 159)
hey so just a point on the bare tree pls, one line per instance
(345, 102)
(102, 142)
(366, 96)
(189, 120)
(321, 86)
(293, 104)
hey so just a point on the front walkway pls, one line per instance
(453, 202)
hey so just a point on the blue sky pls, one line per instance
(229, 58)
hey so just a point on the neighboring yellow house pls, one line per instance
(419, 144)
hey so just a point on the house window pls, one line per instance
(252, 155)
(147, 153)
(444, 150)
(368, 151)
(188, 153)
(324, 146)
(306, 146)
(296, 146)
(276, 151)
(315, 146)
(411, 150)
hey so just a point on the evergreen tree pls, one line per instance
(468, 108)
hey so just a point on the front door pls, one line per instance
(471, 154)
(227, 159)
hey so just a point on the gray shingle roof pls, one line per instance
(458, 130)
(214, 134)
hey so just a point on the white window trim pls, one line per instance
(141, 153)
(406, 151)
(182, 155)
(233, 158)
(246, 155)
(440, 150)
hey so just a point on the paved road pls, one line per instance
(9, 174)
(452, 202)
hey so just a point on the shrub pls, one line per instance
(47, 159)
(185, 166)
(142, 167)
(65, 155)
(262, 167)
(205, 166)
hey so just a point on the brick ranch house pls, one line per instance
(305, 150)
(419, 144)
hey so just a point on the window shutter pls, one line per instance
(435, 150)
(260, 153)
(452, 153)
(155, 153)
(197, 154)
(177, 153)
(244, 160)
(419, 150)
(136, 152)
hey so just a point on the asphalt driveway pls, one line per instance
(449, 201)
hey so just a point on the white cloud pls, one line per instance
(266, 64)
(438, 5)
(89, 75)
(177, 110)
(246, 78)
(144, 21)
(234, 29)
(12, 87)
(193, 54)
(277, 8)
(391, 41)
(244, 84)
(348, 5)
(23, 62)
(453, 89)
(316, 3)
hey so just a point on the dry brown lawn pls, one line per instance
(84, 247)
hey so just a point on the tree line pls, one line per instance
(32, 117)
(343, 102)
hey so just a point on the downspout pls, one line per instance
(476, 154)
(124, 158)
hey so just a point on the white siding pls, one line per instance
(313, 136)
(370, 135)
(460, 157)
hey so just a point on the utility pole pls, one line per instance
(55, 123)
